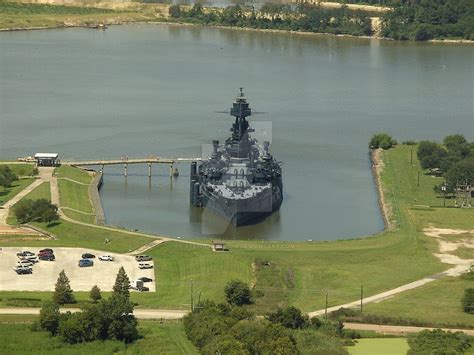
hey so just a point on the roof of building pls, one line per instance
(218, 242)
(46, 155)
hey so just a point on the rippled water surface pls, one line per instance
(146, 90)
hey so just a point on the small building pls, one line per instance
(47, 159)
(219, 245)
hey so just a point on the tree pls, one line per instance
(122, 283)
(49, 317)
(225, 344)
(174, 11)
(468, 301)
(431, 155)
(94, 294)
(40, 210)
(428, 342)
(290, 317)
(49, 216)
(7, 176)
(460, 172)
(381, 140)
(62, 291)
(237, 293)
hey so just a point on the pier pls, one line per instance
(126, 161)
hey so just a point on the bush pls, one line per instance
(428, 342)
(468, 301)
(49, 317)
(290, 317)
(382, 140)
(237, 293)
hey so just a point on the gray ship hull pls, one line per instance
(243, 212)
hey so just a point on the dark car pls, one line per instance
(47, 257)
(23, 270)
(24, 254)
(46, 251)
(145, 279)
(85, 263)
(143, 289)
(143, 258)
(88, 256)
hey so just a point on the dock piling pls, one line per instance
(125, 171)
(149, 170)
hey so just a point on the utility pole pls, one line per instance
(192, 301)
(326, 307)
(418, 183)
(361, 296)
(411, 156)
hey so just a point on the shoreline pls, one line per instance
(385, 209)
(185, 24)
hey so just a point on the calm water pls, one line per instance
(152, 90)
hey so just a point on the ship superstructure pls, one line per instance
(240, 180)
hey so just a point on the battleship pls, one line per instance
(240, 180)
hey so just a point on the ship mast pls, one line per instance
(240, 110)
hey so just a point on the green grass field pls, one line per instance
(438, 302)
(385, 346)
(7, 193)
(159, 338)
(21, 169)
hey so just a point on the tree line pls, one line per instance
(300, 17)
(103, 319)
(422, 20)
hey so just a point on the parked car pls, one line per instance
(85, 263)
(145, 266)
(145, 279)
(136, 284)
(33, 259)
(23, 270)
(47, 257)
(23, 254)
(143, 258)
(106, 258)
(88, 256)
(143, 289)
(47, 250)
(24, 262)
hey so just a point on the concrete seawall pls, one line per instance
(95, 197)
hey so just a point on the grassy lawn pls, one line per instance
(438, 302)
(21, 169)
(159, 338)
(17, 15)
(7, 193)
(66, 171)
(74, 235)
(386, 346)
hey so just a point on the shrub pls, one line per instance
(381, 140)
(237, 293)
(428, 342)
(49, 317)
(290, 317)
(468, 301)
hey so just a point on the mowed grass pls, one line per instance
(74, 235)
(74, 193)
(8, 193)
(437, 302)
(159, 338)
(21, 169)
(378, 346)
(42, 191)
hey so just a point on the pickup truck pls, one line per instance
(106, 258)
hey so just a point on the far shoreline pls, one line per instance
(264, 30)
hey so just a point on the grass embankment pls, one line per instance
(388, 346)
(14, 15)
(162, 338)
(74, 198)
(20, 170)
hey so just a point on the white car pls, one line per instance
(24, 262)
(145, 266)
(106, 258)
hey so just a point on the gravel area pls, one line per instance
(45, 273)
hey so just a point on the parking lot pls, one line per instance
(45, 273)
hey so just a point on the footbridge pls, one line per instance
(125, 161)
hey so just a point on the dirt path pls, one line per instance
(398, 329)
(146, 247)
(460, 266)
(139, 313)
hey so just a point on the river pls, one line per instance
(148, 90)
